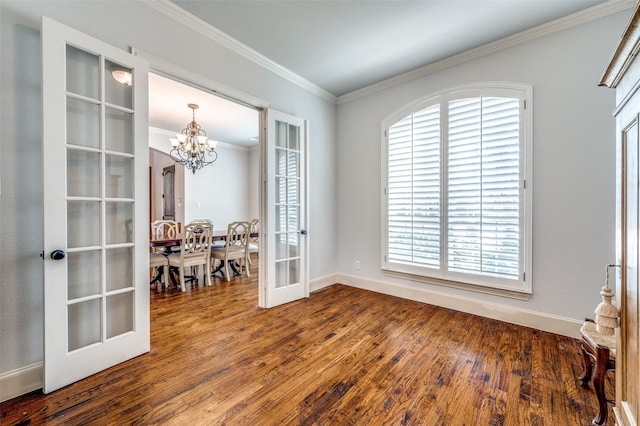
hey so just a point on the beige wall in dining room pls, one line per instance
(157, 162)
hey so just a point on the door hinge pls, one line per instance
(524, 184)
(524, 276)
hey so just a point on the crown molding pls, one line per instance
(599, 11)
(196, 24)
(180, 15)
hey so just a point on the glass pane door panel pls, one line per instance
(281, 247)
(294, 271)
(294, 137)
(83, 223)
(282, 274)
(120, 268)
(84, 274)
(116, 92)
(119, 131)
(281, 190)
(294, 244)
(83, 123)
(281, 218)
(119, 177)
(281, 162)
(294, 214)
(293, 189)
(293, 160)
(119, 221)
(119, 314)
(83, 73)
(84, 324)
(83, 173)
(281, 134)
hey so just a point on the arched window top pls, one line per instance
(497, 89)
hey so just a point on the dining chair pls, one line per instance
(253, 243)
(214, 244)
(194, 251)
(235, 249)
(168, 228)
(164, 227)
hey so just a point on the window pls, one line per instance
(456, 206)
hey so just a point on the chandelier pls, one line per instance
(191, 148)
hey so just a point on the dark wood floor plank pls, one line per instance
(343, 356)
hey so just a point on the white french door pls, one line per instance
(284, 268)
(95, 135)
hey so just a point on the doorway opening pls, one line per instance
(225, 191)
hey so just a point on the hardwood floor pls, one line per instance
(344, 356)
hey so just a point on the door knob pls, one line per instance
(58, 254)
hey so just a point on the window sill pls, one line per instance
(514, 294)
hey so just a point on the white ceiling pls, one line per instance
(223, 120)
(344, 45)
(341, 46)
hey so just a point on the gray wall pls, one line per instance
(122, 24)
(573, 165)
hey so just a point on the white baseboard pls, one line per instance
(538, 320)
(322, 282)
(18, 382)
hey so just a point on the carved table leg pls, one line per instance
(586, 373)
(602, 356)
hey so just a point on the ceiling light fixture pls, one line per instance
(191, 148)
(122, 77)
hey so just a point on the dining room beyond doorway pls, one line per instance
(226, 190)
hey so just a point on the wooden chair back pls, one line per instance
(164, 227)
(237, 240)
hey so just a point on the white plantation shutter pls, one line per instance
(483, 186)
(456, 204)
(414, 189)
